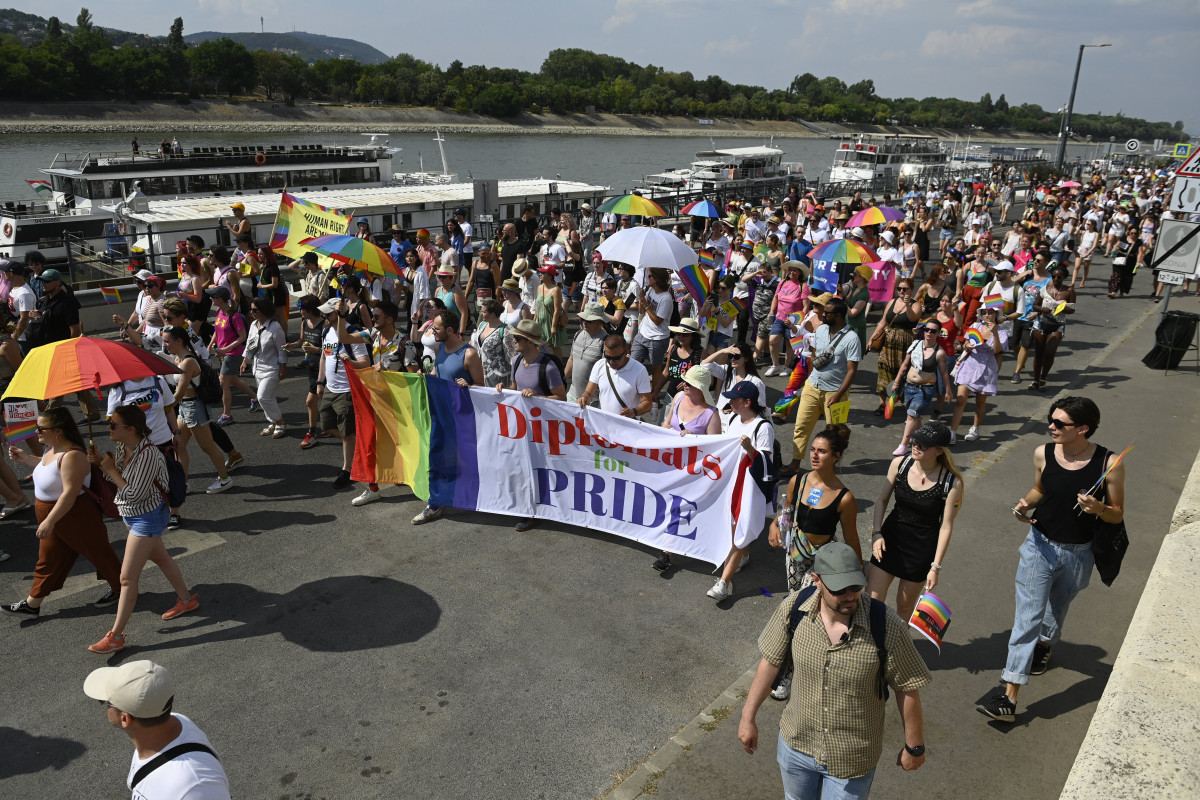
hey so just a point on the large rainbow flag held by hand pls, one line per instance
(931, 618)
(695, 279)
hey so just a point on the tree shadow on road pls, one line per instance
(261, 522)
(25, 753)
(332, 615)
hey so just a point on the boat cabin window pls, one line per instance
(223, 182)
(259, 180)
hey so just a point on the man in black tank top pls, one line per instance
(1056, 557)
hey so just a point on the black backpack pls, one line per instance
(209, 389)
(544, 362)
(766, 472)
(878, 619)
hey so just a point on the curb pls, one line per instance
(642, 782)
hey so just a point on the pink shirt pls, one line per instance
(228, 329)
(788, 298)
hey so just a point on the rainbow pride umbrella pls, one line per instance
(875, 215)
(843, 251)
(701, 208)
(362, 254)
(633, 204)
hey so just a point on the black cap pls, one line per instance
(932, 434)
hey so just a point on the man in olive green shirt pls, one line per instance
(857, 300)
(831, 733)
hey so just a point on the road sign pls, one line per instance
(1171, 278)
(1191, 167)
(1185, 197)
(1177, 248)
(1132, 146)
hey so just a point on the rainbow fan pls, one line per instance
(974, 336)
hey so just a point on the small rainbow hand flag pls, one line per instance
(707, 259)
(734, 306)
(890, 407)
(974, 336)
(993, 301)
(110, 294)
(931, 618)
(695, 279)
(19, 431)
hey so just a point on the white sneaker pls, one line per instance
(972, 434)
(219, 485)
(745, 560)
(721, 590)
(427, 514)
(783, 691)
(367, 496)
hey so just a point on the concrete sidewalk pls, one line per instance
(970, 756)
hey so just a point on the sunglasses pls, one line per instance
(1059, 424)
(618, 357)
(934, 331)
(848, 589)
(40, 429)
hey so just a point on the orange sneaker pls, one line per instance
(111, 643)
(181, 607)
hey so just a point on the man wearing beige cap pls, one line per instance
(172, 757)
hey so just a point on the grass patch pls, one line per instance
(719, 715)
(651, 785)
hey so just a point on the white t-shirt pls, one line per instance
(21, 298)
(756, 230)
(763, 437)
(153, 395)
(660, 303)
(467, 232)
(335, 370)
(719, 371)
(420, 291)
(553, 253)
(191, 776)
(632, 382)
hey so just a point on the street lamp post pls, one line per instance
(1062, 140)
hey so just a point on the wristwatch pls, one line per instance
(915, 752)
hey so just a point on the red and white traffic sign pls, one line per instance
(1191, 167)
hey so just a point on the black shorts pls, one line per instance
(311, 368)
(1023, 333)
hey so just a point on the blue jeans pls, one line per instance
(1048, 578)
(806, 779)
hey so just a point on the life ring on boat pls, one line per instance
(260, 159)
(8, 229)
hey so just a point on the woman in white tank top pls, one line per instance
(69, 520)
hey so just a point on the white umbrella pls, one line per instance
(647, 247)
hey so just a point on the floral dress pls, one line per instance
(493, 352)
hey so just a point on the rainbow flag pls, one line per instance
(110, 294)
(708, 259)
(392, 444)
(734, 306)
(995, 301)
(931, 618)
(20, 430)
(890, 407)
(791, 394)
(40, 186)
(974, 336)
(695, 280)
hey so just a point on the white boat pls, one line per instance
(863, 157)
(90, 191)
(717, 168)
(163, 222)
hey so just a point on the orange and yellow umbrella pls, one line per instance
(74, 365)
(363, 255)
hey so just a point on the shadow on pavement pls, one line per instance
(332, 615)
(25, 754)
(261, 522)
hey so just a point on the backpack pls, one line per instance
(209, 389)
(177, 486)
(544, 362)
(947, 481)
(878, 621)
(764, 471)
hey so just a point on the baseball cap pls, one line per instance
(549, 269)
(51, 275)
(744, 389)
(141, 689)
(142, 274)
(219, 292)
(239, 206)
(328, 307)
(460, 212)
(838, 567)
(586, 206)
(362, 221)
(932, 434)
(864, 272)
(1004, 266)
(15, 267)
(856, 232)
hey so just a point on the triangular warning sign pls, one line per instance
(1191, 167)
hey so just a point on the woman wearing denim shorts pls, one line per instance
(924, 362)
(139, 471)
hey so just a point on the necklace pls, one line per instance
(1073, 457)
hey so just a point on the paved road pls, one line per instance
(341, 652)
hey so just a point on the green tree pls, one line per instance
(222, 65)
(178, 74)
(985, 103)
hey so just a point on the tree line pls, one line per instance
(85, 65)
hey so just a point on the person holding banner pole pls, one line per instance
(751, 507)
(333, 387)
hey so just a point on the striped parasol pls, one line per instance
(633, 204)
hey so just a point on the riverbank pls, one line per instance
(165, 119)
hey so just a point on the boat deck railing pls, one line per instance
(200, 157)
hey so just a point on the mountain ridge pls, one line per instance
(308, 46)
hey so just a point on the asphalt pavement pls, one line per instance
(342, 652)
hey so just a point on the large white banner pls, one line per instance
(552, 460)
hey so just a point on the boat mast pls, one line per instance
(439, 139)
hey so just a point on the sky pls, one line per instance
(1024, 49)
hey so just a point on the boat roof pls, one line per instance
(888, 136)
(191, 209)
(740, 152)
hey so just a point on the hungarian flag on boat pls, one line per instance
(40, 186)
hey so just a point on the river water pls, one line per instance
(615, 161)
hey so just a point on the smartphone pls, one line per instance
(1022, 516)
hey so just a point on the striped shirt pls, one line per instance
(834, 714)
(144, 473)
